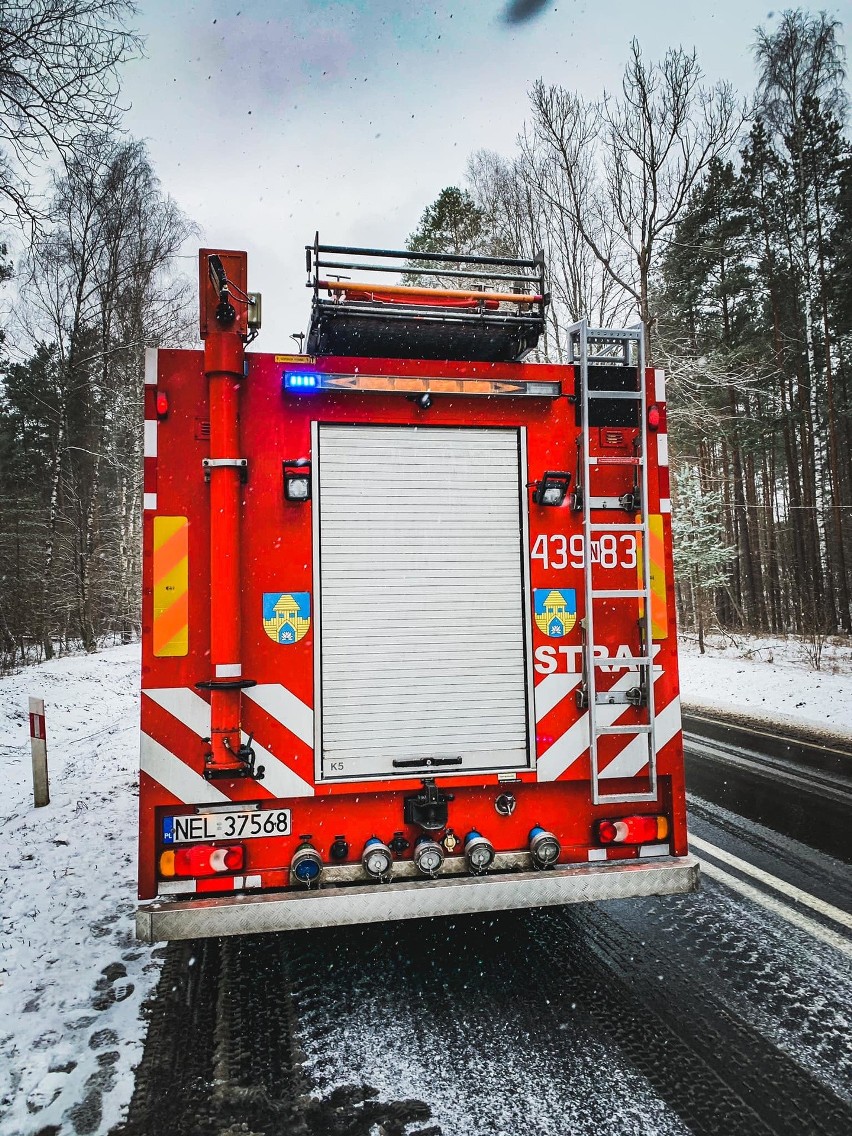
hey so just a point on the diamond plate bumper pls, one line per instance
(377, 903)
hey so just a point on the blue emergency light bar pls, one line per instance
(300, 381)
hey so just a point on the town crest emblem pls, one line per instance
(555, 610)
(286, 615)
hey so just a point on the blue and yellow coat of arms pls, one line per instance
(555, 610)
(286, 615)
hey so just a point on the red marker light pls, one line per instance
(201, 860)
(653, 417)
(162, 404)
(607, 832)
(631, 830)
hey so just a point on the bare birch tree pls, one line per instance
(101, 289)
(628, 163)
(520, 197)
(59, 63)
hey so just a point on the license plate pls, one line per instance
(224, 826)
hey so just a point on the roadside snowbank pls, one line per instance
(771, 680)
(72, 976)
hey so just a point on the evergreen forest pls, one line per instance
(93, 281)
(721, 219)
(724, 222)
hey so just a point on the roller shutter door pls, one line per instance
(423, 645)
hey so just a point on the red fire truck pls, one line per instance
(408, 613)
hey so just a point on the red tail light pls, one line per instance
(653, 417)
(631, 830)
(202, 860)
(162, 404)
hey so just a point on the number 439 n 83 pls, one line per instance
(609, 551)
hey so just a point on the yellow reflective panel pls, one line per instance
(171, 586)
(657, 583)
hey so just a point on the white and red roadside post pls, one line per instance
(38, 743)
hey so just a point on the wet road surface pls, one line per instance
(727, 1010)
(702, 1013)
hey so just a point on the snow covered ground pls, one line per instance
(72, 976)
(771, 679)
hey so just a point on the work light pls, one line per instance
(551, 489)
(297, 479)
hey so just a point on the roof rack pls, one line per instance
(483, 322)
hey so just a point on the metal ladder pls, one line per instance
(586, 346)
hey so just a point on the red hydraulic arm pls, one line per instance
(224, 329)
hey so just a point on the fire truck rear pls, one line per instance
(408, 611)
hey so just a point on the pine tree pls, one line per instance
(28, 457)
(702, 558)
(453, 223)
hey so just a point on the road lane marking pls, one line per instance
(803, 922)
(785, 740)
(804, 897)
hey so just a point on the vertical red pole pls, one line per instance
(224, 329)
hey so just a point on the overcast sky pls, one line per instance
(268, 119)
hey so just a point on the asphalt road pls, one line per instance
(797, 782)
(725, 1011)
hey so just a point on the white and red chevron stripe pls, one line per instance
(552, 690)
(562, 755)
(633, 759)
(282, 731)
(172, 772)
